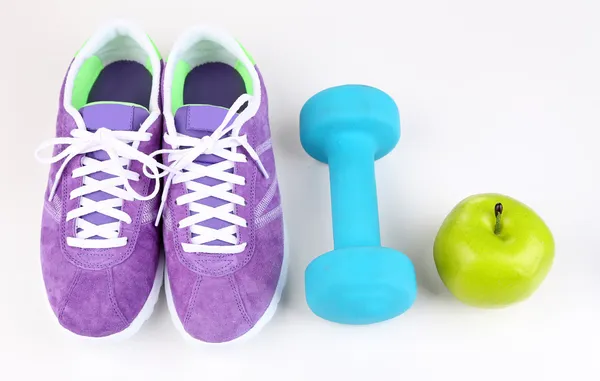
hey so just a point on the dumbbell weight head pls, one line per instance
(350, 109)
(360, 285)
(359, 282)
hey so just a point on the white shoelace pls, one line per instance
(117, 145)
(184, 170)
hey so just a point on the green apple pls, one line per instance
(492, 251)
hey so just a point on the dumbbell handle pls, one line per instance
(351, 159)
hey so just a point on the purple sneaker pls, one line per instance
(223, 226)
(99, 246)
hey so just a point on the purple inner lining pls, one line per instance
(123, 81)
(213, 83)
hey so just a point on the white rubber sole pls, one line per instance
(140, 319)
(260, 324)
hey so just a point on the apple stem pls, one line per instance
(498, 212)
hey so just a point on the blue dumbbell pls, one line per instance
(359, 282)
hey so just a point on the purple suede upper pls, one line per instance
(220, 297)
(99, 292)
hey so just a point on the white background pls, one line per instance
(495, 96)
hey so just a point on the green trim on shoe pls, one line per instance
(84, 80)
(247, 54)
(182, 69)
(244, 72)
(239, 66)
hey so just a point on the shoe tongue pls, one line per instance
(114, 116)
(199, 121)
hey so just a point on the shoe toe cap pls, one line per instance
(215, 312)
(90, 309)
